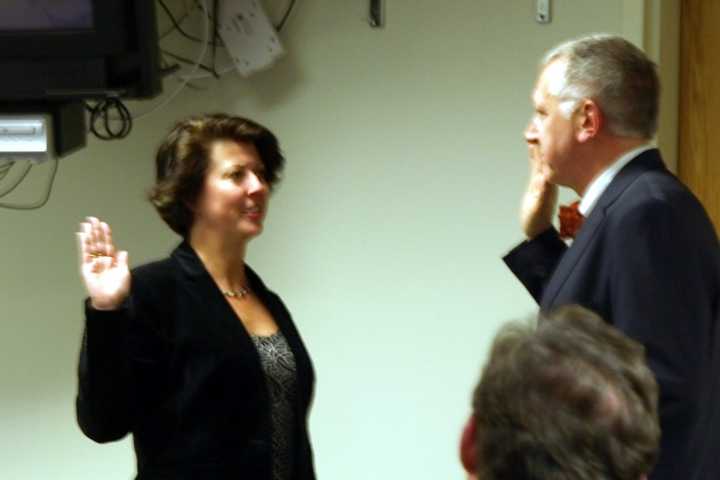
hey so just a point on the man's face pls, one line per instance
(550, 133)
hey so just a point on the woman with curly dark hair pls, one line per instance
(193, 354)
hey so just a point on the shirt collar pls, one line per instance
(601, 182)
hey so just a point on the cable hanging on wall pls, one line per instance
(210, 69)
(103, 126)
(5, 169)
(110, 119)
(289, 10)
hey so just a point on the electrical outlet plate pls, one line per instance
(24, 137)
(249, 36)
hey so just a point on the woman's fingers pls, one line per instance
(95, 236)
(86, 241)
(96, 247)
(98, 238)
(83, 251)
(107, 244)
(122, 258)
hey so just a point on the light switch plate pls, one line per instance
(543, 11)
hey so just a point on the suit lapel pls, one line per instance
(211, 316)
(206, 301)
(647, 161)
(571, 257)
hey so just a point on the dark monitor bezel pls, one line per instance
(103, 39)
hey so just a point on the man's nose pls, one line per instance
(531, 133)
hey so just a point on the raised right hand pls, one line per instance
(103, 269)
(540, 199)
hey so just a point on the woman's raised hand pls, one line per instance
(104, 270)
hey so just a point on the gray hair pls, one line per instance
(572, 398)
(614, 73)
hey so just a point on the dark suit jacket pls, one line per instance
(177, 369)
(647, 260)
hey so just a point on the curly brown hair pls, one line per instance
(571, 400)
(182, 162)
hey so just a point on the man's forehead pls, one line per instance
(551, 80)
(539, 94)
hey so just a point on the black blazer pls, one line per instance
(647, 260)
(177, 369)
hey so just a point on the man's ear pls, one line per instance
(468, 446)
(589, 120)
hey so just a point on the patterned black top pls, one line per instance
(278, 364)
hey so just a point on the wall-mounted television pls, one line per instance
(54, 50)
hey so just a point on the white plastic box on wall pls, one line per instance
(249, 36)
(25, 137)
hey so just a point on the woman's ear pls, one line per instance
(468, 446)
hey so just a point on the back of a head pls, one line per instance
(617, 75)
(570, 400)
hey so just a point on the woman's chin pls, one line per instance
(252, 231)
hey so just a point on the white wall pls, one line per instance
(661, 39)
(405, 169)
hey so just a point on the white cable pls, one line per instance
(44, 199)
(186, 79)
(18, 180)
(200, 76)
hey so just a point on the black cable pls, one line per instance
(215, 37)
(202, 9)
(180, 21)
(102, 112)
(180, 58)
(177, 26)
(5, 168)
(44, 200)
(169, 69)
(166, 70)
(19, 180)
(280, 25)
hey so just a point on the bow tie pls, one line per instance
(570, 220)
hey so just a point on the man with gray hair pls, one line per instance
(572, 399)
(646, 257)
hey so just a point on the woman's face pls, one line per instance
(234, 197)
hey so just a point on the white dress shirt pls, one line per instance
(601, 182)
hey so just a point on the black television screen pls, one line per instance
(30, 15)
(77, 49)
